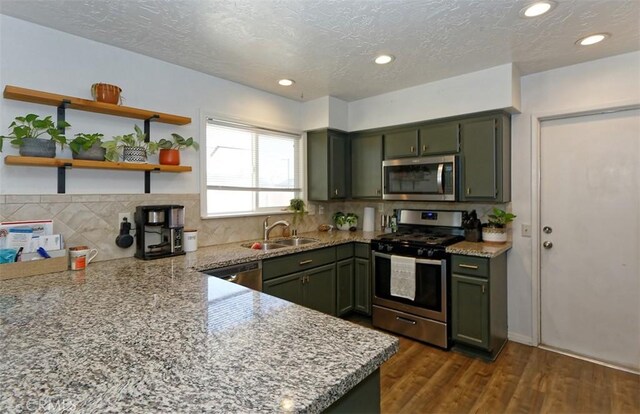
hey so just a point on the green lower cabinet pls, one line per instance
(319, 289)
(471, 314)
(345, 294)
(362, 275)
(314, 288)
(479, 304)
(285, 287)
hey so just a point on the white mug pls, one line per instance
(81, 256)
(190, 240)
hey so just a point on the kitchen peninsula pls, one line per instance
(137, 336)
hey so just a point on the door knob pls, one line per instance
(547, 245)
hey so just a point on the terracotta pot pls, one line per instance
(169, 157)
(103, 92)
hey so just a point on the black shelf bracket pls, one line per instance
(61, 114)
(62, 178)
(147, 138)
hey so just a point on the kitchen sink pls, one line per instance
(279, 244)
(298, 241)
(265, 245)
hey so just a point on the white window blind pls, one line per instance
(250, 169)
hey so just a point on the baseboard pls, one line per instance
(521, 339)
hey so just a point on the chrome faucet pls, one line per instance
(267, 228)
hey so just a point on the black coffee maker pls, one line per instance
(159, 231)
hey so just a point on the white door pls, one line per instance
(590, 267)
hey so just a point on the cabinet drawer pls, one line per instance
(296, 262)
(469, 265)
(344, 251)
(362, 250)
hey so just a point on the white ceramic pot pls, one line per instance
(494, 235)
(347, 226)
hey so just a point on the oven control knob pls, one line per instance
(430, 253)
(380, 246)
(420, 252)
(389, 247)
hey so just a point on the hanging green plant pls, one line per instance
(297, 206)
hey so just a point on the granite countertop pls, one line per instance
(479, 249)
(149, 336)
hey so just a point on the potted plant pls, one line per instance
(496, 230)
(296, 205)
(345, 221)
(131, 147)
(27, 130)
(170, 150)
(87, 147)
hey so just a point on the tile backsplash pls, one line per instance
(92, 220)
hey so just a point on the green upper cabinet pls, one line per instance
(366, 166)
(327, 156)
(486, 159)
(401, 143)
(438, 139)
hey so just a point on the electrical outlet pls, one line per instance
(525, 230)
(320, 209)
(129, 217)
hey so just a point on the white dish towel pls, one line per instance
(403, 277)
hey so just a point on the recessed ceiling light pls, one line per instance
(286, 82)
(537, 9)
(592, 39)
(384, 59)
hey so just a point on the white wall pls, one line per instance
(39, 58)
(325, 112)
(484, 90)
(596, 84)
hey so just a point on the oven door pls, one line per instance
(424, 178)
(431, 288)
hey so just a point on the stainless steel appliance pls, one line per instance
(423, 236)
(159, 231)
(246, 274)
(422, 178)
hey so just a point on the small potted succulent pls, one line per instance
(26, 133)
(87, 147)
(345, 221)
(131, 147)
(170, 150)
(496, 230)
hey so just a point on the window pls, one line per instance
(250, 169)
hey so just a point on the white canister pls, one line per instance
(190, 240)
(81, 256)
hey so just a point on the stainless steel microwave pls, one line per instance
(421, 178)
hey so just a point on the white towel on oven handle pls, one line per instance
(403, 277)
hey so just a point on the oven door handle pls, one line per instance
(419, 261)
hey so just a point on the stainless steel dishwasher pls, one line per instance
(245, 274)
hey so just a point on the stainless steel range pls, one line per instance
(411, 274)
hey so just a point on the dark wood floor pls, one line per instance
(524, 379)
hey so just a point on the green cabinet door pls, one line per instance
(327, 152)
(338, 150)
(366, 166)
(344, 275)
(479, 163)
(470, 313)
(401, 143)
(440, 139)
(319, 290)
(285, 287)
(362, 294)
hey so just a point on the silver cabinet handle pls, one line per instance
(306, 262)
(466, 266)
(233, 278)
(405, 320)
(424, 148)
(411, 148)
(336, 191)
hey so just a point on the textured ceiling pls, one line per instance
(327, 46)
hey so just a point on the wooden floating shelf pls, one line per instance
(97, 165)
(52, 99)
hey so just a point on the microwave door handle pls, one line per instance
(441, 178)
